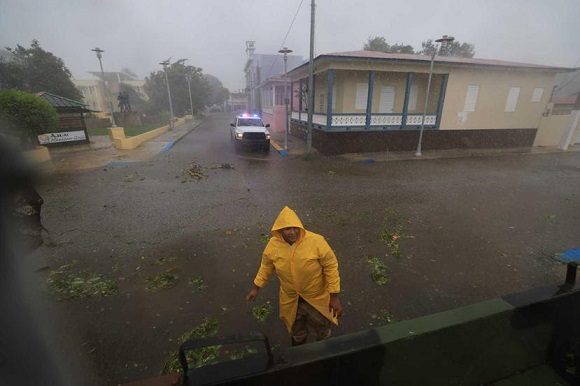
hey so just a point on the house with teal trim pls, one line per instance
(366, 101)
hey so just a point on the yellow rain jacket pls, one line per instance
(308, 268)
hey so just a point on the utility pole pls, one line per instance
(310, 79)
(165, 64)
(286, 51)
(444, 40)
(99, 53)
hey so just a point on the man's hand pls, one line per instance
(253, 294)
(335, 307)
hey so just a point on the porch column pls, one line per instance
(291, 96)
(300, 99)
(313, 95)
(371, 83)
(408, 84)
(329, 88)
(273, 96)
(441, 99)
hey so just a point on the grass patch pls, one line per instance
(198, 284)
(164, 280)
(262, 312)
(196, 358)
(78, 285)
(379, 272)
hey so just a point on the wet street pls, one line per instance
(454, 232)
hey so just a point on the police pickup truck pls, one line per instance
(248, 131)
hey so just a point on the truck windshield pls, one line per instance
(250, 122)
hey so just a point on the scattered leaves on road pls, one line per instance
(163, 280)
(262, 312)
(379, 272)
(225, 166)
(391, 233)
(77, 285)
(264, 238)
(194, 171)
(198, 284)
(165, 260)
(200, 357)
(135, 176)
(382, 317)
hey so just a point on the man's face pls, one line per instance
(290, 234)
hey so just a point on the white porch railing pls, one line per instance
(359, 120)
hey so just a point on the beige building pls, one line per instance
(371, 101)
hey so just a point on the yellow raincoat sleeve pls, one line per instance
(266, 267)
(329, 264)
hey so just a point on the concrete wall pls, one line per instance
(494, 86)
(552, 129)
(333, 143)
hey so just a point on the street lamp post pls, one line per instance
(285, 51)
(99, 53)
(165, 64)
(445, 39)
(310, 79)
(188, 78)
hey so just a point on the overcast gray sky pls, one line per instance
(138, 34)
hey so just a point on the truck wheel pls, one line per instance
(266, 149)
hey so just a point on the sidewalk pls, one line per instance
(100, 151)
(297, 147)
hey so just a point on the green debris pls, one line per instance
(164, 280)
(391, 233)
(262, 312)
(165, 260)
(198, 284)
(239, 354)
(265, 238)
(194, 171)
(78, 285)
(383, 317)
(200, 357)
(379, 272)
(133, 177)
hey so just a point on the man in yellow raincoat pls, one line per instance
(309, 281)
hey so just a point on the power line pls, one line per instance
(286, 36)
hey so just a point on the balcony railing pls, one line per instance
(378, 120)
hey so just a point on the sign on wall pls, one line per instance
(67, 136)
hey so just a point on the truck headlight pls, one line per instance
(239, 135)
(267, 135)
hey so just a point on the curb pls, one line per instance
(172, 143)
(283, 152)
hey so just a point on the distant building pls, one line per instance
(259, 68)
(236, 102)
(93, 90)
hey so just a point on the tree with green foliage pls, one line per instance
(454, 48)
(379, 43)
(34, 69)
(218, 94)
(156, 89)
(27, 115)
